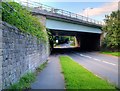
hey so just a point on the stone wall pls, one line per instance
(21, 53)
(1, 57)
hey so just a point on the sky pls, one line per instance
(95, 9)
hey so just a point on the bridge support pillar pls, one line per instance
(77, 41)
(42, 19)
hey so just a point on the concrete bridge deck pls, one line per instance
(55, 13)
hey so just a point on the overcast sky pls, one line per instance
(96, 9)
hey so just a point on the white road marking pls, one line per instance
(88, 57)
(96, 59)
(108, 63)
(85, 56)
(81, 55)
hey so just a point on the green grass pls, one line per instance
(72, 44)
(77, 77)
(26, 80)
(112, 53)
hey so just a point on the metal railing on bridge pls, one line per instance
(31, 6)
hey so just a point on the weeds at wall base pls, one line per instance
(25, 81)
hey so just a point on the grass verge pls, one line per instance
(112, 53)
(26, 80)
(77, 77)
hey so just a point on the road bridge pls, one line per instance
(64, 23)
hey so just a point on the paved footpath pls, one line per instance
(51, 76)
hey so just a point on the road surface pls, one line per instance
(104, 66)
(101, 65)
(65, 45)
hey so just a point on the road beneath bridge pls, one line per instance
(104, 66)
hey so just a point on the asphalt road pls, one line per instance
(65, 45)
(104, 66)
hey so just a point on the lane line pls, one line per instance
(85, 56)
(108, 63)
(96, 59)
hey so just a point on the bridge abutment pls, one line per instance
(77, 41)
(42, 19)
(90, 42)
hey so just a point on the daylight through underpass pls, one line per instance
(80, 41)
(64, 42)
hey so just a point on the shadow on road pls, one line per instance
(67, 50)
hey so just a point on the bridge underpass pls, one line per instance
(64, 23)
(87, 36)
(87, 32)
(83, 41)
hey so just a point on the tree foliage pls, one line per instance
(112, 28)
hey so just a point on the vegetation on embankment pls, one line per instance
(77, 77)
(26, 80)
(14, 14)
(111, 53)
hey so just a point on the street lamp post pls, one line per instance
(87, 13)
(27, 3)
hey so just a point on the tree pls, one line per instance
(112, 28)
